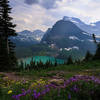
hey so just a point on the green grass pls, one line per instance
(69, 70)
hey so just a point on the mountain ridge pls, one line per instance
(66, 35)
(90, 28)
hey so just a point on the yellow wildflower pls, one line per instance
(10, 91)
(34, 84)
(26, 81)
(17, 83)
(12, 81)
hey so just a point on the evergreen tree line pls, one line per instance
(7, 53)
(37, 65)
(88, 57)
(40, 65)
(96, 56)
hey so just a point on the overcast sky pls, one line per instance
(42, 14)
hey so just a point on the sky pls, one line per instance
(42, 14)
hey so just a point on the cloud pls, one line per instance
(42, 14)
(30, 17)
(31, 1)
(48, 4)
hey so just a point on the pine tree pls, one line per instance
(25, 65)
(21, 65)
(88, 56)
(7, 54)
(69, 61)
(77, 61)
(47, 64)
(94, 38)
(41, 65)
(32, 63)
(55, 63)
(97, 54)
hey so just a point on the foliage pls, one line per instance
(94, 38)
(88, 56)
(97, 54)
(7, 54)
(36, 65)
(75, 88)
(69, 61)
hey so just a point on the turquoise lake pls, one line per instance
(44, 59)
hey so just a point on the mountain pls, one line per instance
(63, 39)
(65, 35)
(38, 34)
(29, 36)
(25, 40)
(90, 28)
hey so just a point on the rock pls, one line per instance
(57, 82)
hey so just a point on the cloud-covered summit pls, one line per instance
(48, 4)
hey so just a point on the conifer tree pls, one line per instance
(94, 38)
(41, 64)
(7, 54)
(32, 63)
(69, 61)
(55, 63)
(97, 54)
(78, 61)
(88, 56)
(21, 65)
(25, 65)
(47, 64)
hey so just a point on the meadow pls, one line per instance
(64, 82)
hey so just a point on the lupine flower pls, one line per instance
(69, 96)
(35, 95)
(48, 87)
(38, 94)
(43, 92)
(23, 90)
(75, 88)
(16, 97)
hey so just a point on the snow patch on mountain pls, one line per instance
(73, 38)
(97, 36)
(65, 18)
(84, 33)
(52, 46)
(70, 48)
(30, 36)
(90, 40)
(89, 28)
(93, 24)
(75, 47)
(61, 49)
(74, 21)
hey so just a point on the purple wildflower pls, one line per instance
(69, 96)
